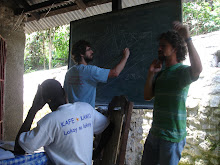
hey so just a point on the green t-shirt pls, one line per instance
(169, 115)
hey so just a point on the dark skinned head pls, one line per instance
(53, 93)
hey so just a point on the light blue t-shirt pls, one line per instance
(81, 81)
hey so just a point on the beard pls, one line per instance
(161, 56)
(87, 59)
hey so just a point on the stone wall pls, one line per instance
(203, 107)
(134, 145)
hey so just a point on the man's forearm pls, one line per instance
(148, 88)
(28, 121)
(196, 65)
(24, 128)
(118, 68)
(121, 65)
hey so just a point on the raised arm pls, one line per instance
(155, 67)
(38, 103)
(196, 65)
(120, 66)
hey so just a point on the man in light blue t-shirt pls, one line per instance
(81, 79)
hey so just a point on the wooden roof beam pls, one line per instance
(42, 6)
(69, 9)
(27, 6)
(81, 4)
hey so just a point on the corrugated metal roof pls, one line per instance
(66, 18)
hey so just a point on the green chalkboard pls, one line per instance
(136, 28)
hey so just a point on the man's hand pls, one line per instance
(183, 30)
(196, 65)
(39, 101)
(114, 72)
(126, 53)
(156, 66)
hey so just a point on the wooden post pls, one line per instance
(125, 131)
(116, 5)
(2, 82)
(114, 152)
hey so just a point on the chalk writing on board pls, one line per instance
(136, 28)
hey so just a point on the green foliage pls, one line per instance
(202, 16)
(33, 52)
(37, 49)
(61, 45)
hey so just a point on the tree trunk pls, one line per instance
(50, 49)
(44, 55)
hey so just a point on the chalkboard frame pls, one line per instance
(154, 5)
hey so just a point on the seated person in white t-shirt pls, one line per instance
(67, 133)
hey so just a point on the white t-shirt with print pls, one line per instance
(66, 134)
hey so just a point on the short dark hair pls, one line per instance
(177, 42)
(79, 48)
(51, 89)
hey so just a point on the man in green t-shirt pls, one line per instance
(169, 88)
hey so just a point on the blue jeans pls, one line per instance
(161, 152)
